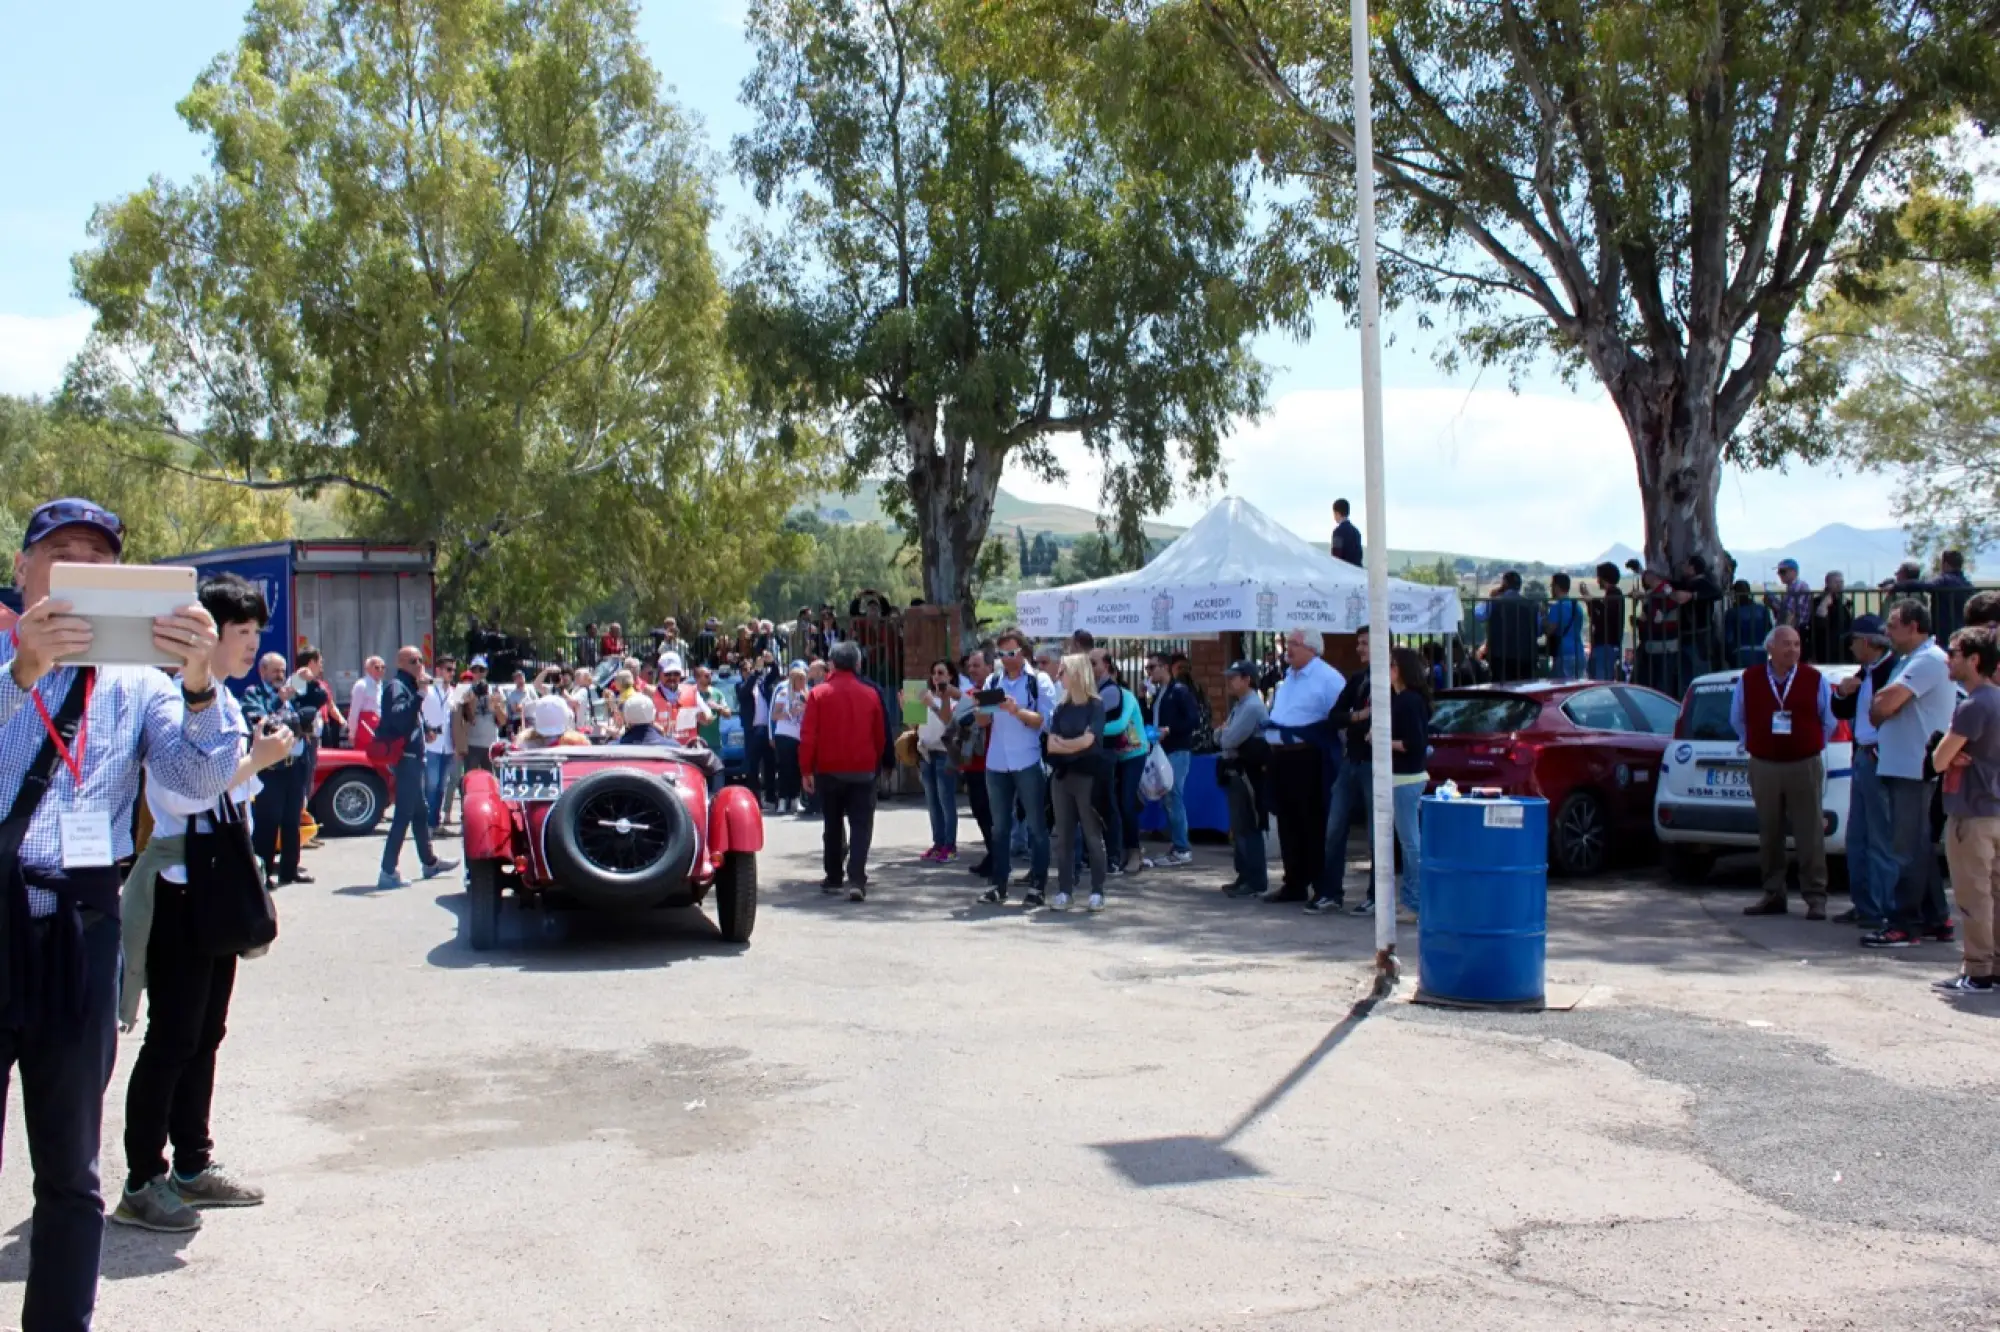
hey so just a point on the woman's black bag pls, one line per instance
(228, 900)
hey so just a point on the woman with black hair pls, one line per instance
(1409, 743)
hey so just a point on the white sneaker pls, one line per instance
(1062, 902)
(1176, 859)
(389, 879)
(1096, 902)
(1147, 862)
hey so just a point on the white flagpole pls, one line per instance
(1378, 503)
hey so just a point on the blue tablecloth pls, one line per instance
(1207, 803)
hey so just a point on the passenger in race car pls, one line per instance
(641, 719)
(551, 725)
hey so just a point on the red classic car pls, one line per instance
(609, 827)
(1591, 749)
(350, 795)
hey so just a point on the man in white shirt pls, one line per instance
(364, 702)
(1911, 710)
(1305, 756)
(440, 757)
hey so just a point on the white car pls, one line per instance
(1701, 807)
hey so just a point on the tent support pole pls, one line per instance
(1387, 968)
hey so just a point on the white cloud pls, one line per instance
(1487, 472)
(34, 351)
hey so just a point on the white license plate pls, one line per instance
(1723, 779)
(530, 784)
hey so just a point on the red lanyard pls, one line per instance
(72, 758)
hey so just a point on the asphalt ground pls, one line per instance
(922, 1113)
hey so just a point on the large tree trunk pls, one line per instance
(1670, 416)
(952, 492)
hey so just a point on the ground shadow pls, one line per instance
(1151, 1163)
(127, 1253)
(533, 940)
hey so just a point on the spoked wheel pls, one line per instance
(1581, 838)
(621, 831)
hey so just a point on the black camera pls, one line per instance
(479, 688)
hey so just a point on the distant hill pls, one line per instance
(864, 505)
(1866, 555)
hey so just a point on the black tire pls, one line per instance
(620, 838)
(736, 896)
(1687, 864)
(482, 904)
(351, 802)
(1579, 836)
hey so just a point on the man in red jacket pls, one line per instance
(840, 746)
(1783, 714)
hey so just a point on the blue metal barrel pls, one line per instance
(1482, 936)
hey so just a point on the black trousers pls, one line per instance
(277, 810)
(788, 766)
(173, 1079)
(65, 1069)
(1298, 788)
(974, 786)
(847, 803)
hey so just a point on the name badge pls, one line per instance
(1781, 723)
(86, 839)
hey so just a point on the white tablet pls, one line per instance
(121, 601)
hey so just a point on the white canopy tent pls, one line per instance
(1235, 570)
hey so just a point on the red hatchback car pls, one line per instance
(1591, 749)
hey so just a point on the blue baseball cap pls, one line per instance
(54, 516)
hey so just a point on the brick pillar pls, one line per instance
(1207, 660)
(1341, 652)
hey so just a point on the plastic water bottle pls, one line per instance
(1449, 791)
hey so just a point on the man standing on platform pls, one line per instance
(1783, 714)
(1305, 753)
(1346, 545)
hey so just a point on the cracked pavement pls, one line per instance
(920, 1113)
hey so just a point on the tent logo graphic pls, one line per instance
(1357, 609)
(1066, 615)
(1267, 609)
(1163, 611)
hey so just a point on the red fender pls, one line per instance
(735, 822)
(489, 824)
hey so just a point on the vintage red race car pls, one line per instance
(607, 827)
(350, 795)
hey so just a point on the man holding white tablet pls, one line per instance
(72, 740)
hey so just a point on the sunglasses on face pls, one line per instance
(1008, 652)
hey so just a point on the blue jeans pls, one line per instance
(1126, 797)
(1246, 836)
(1176, 801)
(1604, 661)
(1030, 785)
(940, 781)
(1409, 805)
(1351, 790)
(437, 780)
(410, 815)
(1568, 666)
(65, 1065)
(1871, 852)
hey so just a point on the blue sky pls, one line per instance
(89, 89)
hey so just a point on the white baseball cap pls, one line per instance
(670, 664)
(639, 711)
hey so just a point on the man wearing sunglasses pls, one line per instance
(1014, 768)
(72, 741)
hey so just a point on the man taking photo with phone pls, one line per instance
(72, 741)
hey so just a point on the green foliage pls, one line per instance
(451, 265)
(1438, 574)
(1915, 361)
(824, 562)
(1644, 193)
(965, 274)
(46, 455)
